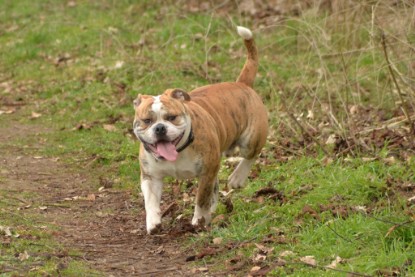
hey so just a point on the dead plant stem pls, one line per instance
(403, 106)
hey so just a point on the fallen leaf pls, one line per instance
(203, 269)
(43, 208)
(82, 126)
(91, 197)
(390, 160)
(255, 268)
(259, 258)
(217, 240)
(354, 109)
(331, 139)
(219, 220)
(411, 200)
(264, 249)
(286, 253)
(24, 256)
(6, 231)
(186, 197)
(118, 64)
(10, 111)
(310, 260)
(35, 115)
(109, 127)
(335, 262)
(226, 193)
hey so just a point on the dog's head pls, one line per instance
(162, 123)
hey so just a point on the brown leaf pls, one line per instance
(335, 262)
(24, 256)
(260, 271)
(109, 127)
(82, 126)
(90, 197)
(308, 210)
(264, 249)
(286, 253)
(310, 260)
(217, 240)
(35, 115)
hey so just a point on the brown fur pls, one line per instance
(223, 116)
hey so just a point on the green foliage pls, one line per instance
(86, 63)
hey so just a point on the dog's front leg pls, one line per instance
(205, 199)
(152, 189)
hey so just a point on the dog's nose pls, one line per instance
(160, 130)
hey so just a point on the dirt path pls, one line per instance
(106, 225)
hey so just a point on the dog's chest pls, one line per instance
(186, 167)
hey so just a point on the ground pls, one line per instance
(332, 192)
(107, 226)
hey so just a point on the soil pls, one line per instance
(106, 225)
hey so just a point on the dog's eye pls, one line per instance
(171, 117)
(146, 121)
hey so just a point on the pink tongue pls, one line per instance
(167, 150)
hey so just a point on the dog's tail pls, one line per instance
(247, 75)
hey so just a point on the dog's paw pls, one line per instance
(201, 217)
(155, 229)
(236, 181)
(240, 174)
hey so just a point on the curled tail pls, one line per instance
(247, 75)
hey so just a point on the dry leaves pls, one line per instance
(335, 262)
(309, 260)
(24, 256)
(109, 127)
(35, 115)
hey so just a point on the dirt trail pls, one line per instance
(107, 225)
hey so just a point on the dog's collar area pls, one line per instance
(189, 141)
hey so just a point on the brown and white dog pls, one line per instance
(183, 135)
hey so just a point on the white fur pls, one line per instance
(245, 33)
(183, 168)
(152, 190)
(239, 175)
(199, 214)
(156, 107)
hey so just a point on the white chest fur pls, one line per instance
(185, 167)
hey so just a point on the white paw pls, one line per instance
(201, 217)
(237, 180)
(240, 174)
(153, 224)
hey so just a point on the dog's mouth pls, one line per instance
(163, 149)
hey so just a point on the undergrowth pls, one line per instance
(339, 154)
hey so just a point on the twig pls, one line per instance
(404, 109)
(302, 128)
(390, 124)
(340, 236)
(397, 226)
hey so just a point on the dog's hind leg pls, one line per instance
(240, 174)
(250, 145)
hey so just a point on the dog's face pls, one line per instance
(162, 123)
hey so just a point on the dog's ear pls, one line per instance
(137, 101)
(178, 94)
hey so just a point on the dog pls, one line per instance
(183, 135)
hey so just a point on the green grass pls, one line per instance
(164, 45)
(31, 249)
